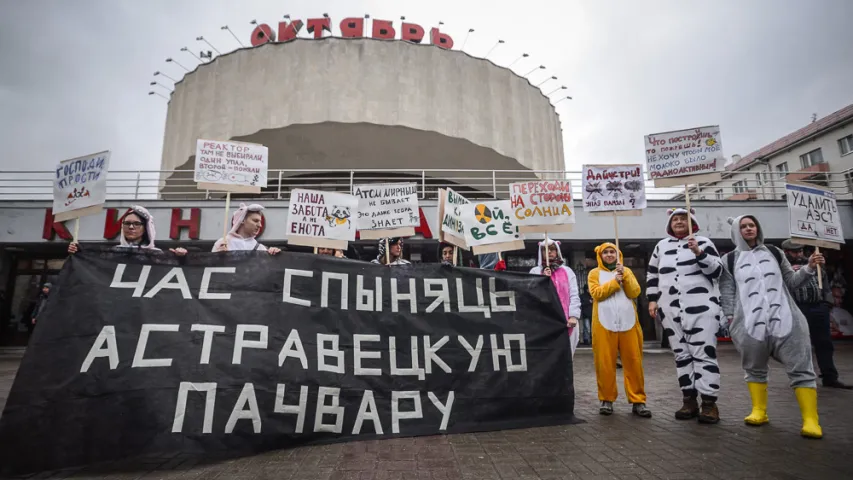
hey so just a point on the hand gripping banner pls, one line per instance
(224, 354)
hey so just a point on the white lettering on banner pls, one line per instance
(506, 352)
(431, 354)
(473, 351)
(104, 346)
(411, 297)
(298, 409)
(494, 295)
(289, 273)
(207, 341)
(414, 370)
(240, 341)
(333, 409)
(359, 354)
(367, 411)
(324, 290)
(293, 348)
(246, 398)
(209, 389)
(365, 296)
(323, 352)
(139, 360)
(397, 415)
(480, 307)
(138, 286)
(444, 408)
(165, 282)
(442, 296)
(203, 293)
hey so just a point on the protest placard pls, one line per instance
(450, 213)
(684, 157)
(321, 219)
(387, 210)
(813, 216)
(613, 188)
(80, 186)
(231, 166)
(542, 206)
(490, 227)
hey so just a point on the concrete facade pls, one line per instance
(365, 103)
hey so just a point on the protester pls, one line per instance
(565, 283)
(39, 306)
(445, 253)
(815, 303)
(764, 320)
(614, 290)
(395, 252)
(330, 252)
(137, 232)
(586, 316)
(246, 223)
(682, 287)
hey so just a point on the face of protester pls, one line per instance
(748, 230)
(678, 223)
(325, 251)
(251, 226)
(609, 255)
(396, 250)
(447, 254)
(552, 253)
(45, 290)
(133, 227)
(796, 254)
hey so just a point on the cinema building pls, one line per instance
(375, 107)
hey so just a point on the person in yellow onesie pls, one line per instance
(616, 330)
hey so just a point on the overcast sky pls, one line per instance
(74, 75)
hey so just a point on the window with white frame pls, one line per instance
(846, 144)
(758, 180)
(739, 187)
(812, 158)
(782, 167)
(719, 194)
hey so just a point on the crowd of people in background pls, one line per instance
(768, 300)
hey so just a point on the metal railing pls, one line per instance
(474, 184)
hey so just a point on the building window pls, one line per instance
(758, 179)
(814, 157)
(719, 194)
(739, 187)
(846, 144)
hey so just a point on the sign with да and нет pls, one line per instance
(813, 215)
(489, 227)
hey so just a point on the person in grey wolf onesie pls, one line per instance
(764, 320)
(681, 285)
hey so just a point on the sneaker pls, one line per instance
(709, 414)
(640, 410)
(836, 384)
(690, 409)
(606, 408)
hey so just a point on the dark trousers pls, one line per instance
(817, 315)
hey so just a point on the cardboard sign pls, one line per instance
(813, 214)
(609, 188)
(321, 219)
(80, 186)
(543, 206)
(387, 210)
(490, 224)
(231, 166)
(683, 153)
(451, 218)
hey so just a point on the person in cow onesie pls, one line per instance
(565, 282)
(682, 287)
(765, 321)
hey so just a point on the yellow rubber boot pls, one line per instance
(758, 392)
(807, 398)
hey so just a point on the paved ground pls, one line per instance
(616, 447)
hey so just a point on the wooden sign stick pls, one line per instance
(689, 216)
(616, 231)
(819, 275)
(387, 252)
(76, 237)
(455, 249)
(225, 225)
(547, 252)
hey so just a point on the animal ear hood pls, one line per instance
(680, 211)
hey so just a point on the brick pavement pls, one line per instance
(616, 447)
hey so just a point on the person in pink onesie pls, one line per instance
(565, 282)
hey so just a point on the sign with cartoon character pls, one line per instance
(677, 158)
(231, 166)
(542, 206)
(80, 186)
(814, 216)
(490, 227)
(387, 210)
(609, 188)
(321, 219)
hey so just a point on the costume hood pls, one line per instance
(548, 242)
(680, 211)
(391, 241)
(604, 246)
(149, 234)
(239, 216)
(737, 238)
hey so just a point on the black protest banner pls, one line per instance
(243, 352)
